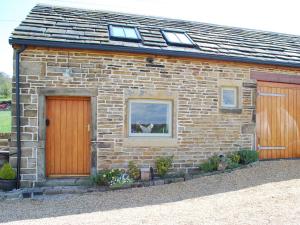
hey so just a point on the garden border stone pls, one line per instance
(38, 192)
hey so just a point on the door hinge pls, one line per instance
(270, 94)
(271, 147)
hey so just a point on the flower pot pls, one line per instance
(8, 185)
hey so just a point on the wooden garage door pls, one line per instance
(278, 120)
(67, 136)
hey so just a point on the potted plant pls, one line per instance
(7, 177)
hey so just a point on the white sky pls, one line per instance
(277, 15)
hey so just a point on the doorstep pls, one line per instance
(55, 182)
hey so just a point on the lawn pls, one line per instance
(2, 98)
(5, 117)
(5, 121)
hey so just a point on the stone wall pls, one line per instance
(4, 148)
(201, 127)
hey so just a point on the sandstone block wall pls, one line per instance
(202, 127)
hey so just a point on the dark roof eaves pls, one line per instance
(164, 52)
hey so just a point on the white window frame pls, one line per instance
(138, 37)
(179, 42)
(235, 105)
(170, 118)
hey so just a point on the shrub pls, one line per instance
(163, 164)
(248, 156)
(7, 172)
(104, 177)
(120, 181)
(211, 164)
(234, 157)
(133, 171)
(231, 164)
(207, 167)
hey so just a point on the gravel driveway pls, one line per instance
(268, 193)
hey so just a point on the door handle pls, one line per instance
(47, 122)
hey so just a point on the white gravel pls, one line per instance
(268, 193)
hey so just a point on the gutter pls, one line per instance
(18, 113)
(164, 52)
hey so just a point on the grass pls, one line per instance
(5, 121)
(2, 98)
(5, 117)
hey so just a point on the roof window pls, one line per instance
(179, 38)
(124, 33)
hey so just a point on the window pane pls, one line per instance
(130, 33)
(149, 118)
(183, 38)
(229, 98)
(117, 31)
(172, 37)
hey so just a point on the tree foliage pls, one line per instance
(5, 85)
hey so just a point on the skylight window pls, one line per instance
(124, 33)
(177, 38)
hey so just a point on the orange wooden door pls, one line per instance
(278, 120)
(67, 136)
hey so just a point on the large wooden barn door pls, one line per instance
(67, 136)
(278, 120)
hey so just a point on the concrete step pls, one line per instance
(55, 182)
(42, 193)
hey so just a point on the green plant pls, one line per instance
(247, 156)
(104, 177)
(234, 157)
(211, 164)
(133, 171)
(231, 164)
(5, 85)
(5, 121)
(7, 172)
(120, 181)
(163, 164)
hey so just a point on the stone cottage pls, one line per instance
(96, 89)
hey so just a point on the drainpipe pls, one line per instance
(18, 113)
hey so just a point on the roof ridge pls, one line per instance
(63, 26)
(172, 19)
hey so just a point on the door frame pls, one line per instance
(270, 84)
(284, 79)
(41, 148)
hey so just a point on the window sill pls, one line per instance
(149, 142)
(231, 110)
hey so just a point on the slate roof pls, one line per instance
(71, 27)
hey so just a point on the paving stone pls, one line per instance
(178, 179)
(159, 182)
